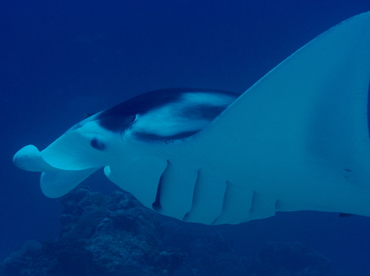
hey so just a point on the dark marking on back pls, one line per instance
(120, 116)
(207, 112)
(144, 136)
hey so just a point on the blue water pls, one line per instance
(60, 60)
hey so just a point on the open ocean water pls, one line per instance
(60, 60)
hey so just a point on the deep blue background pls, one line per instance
(62, 59)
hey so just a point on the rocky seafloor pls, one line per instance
(115, 236)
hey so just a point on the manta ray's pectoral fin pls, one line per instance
(299, 137)
(296, 140)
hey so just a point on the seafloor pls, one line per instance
(115, 235)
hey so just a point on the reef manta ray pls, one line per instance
(298, 139)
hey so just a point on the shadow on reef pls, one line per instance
(115, 236)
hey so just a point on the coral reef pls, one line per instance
(100, 235)
(115, 235)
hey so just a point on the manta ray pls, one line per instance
(298, 139)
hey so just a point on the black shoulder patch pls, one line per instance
(150, 137)
(120, 116)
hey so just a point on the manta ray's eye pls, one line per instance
(97, 144)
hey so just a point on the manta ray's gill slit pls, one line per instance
(278, 205)
(175, 188)
(225, 203)
(207, 199)
(237, 204)
(187, 215)
(263, 206)
(253, 203)
(156, 205)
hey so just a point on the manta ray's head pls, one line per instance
(84, 146)
(156, 117)
(105, 139)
